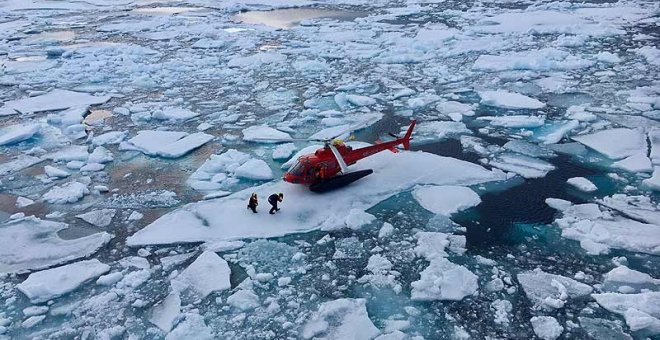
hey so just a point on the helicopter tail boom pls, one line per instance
(406, 139)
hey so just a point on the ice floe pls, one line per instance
(54, 100)
(100, 218)
(446, 200)
(208, 273)
(551, 291)
(51, 283)
(340, 319)
(641, 311)
(582, 184)
(546, 327)
(67, 193)
(48, 249)
(615, 143)
(206, 222)
(168, 144)
(18, 133)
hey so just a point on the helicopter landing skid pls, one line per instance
(339, 181)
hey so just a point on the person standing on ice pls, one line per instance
(254, 202)
(273, 200)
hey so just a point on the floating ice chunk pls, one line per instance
(192, 328)
(71, 153)
(587, 223)
(556, 131)
(52, 171)
(455, 110)
(19, 163)
(550, 290)
(112, 137)
(226, 218)
(525, 166)
(264, 134)
(221, 246)
(502, 309)
(165, 313)
(395, 335)
(18, 133)
(654, 138)
(67, 193)
(168, 144)
(100, 155)
(340, 319)
(608, 57)
(348, 248)
(515, 121)
(255, 61)
(22, 202)
(651, 53)
(386, 230)
(528, 149)
(558, 204)
(603, 329)
(134, 279)
(635, 163)
(654, 182)
(208, 273)
(431, 131)
(623, 276)
(582, 184)
(35, 310)
(538, 60)
(615, 143)
(358, 100)
(579, 113)
(422, 100)
(51, 283)
(33, 233)
(243, 300)
(546, 327)
(509, 100)
(92, 167)
(32, 321)
(170, 262)
(638, 207)
(174, 113)
(446, 200)
(641, 311)
(100, 218)
(444, 280)
(356, 219)
(54, 100)
(254, 169)
(109, 279)
(284, 151)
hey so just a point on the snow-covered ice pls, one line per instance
(168, 144)
(447, 199)
(51, 283)
(551, 291)
(208, 273)
(546, 327)
(582, 184)
(509, 100)
(615, 143)
(340, 319)
(32, 233)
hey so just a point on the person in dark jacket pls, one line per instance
(254, 202)
(273, 200)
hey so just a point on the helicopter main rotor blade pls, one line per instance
(340, 159)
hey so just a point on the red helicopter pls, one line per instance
(327, 168)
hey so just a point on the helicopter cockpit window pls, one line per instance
(296, 169)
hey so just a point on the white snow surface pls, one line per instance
(264, 134)
(165, 313)
(54, 100)
(51, 283)
(582, 184)
(70, 192)
(18, 133)
(615, 143)
(340, 319)
(509, 100)
(391, 175)
(446, 199)
(254, 169)
(208, 273)
(546, 327)
(31, 243)
(168, 144)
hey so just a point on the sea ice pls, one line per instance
(549, 290)
(444, 280)
(165, 313)
(635, 163)
(100, 218)
(208, 273)
(17, 164)
(356, 219)
(582, 184)
(168, 144)
(264, 134)
(54, 100)
(525, 166)
(18, 133)
(52, 171)
(227, 219)
(615, 143)
(51, 283)
(174, 114)
(518, 121)
(33, 233)
(623, 276)
(509, 100)
(254, 169)
(243, 300)
(192, 327)
(546, 327)
(446, 200)
(340, 319)
(641, 311)
(284, 151)
(67, 193)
